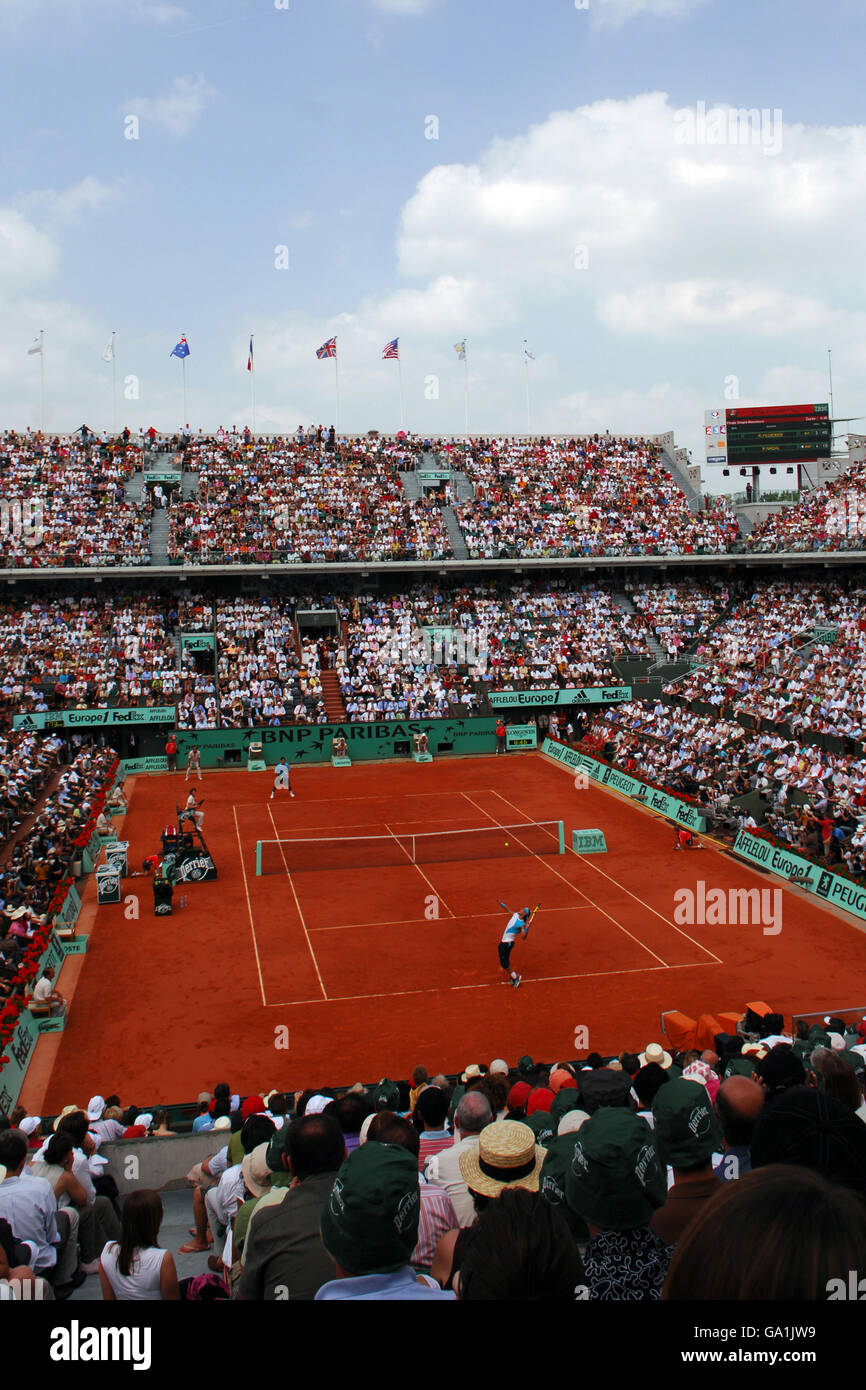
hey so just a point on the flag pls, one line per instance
(180, 349)
(527, 355)
(391, 351)
(250, 358)
(37, 347)
(328, 349)
(108, 355)
(460, 349)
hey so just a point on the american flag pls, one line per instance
(328, 349)
(391, 350)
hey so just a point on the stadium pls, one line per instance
(468, 824)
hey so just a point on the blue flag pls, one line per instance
(180, 349)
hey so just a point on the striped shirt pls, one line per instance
(432, 1142)
(437, 1217)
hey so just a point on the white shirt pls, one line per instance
(30, 1207)
(142, 1282)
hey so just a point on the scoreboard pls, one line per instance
(778, 434)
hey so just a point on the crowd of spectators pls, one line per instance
(581, 497)
(832, 517)
(811, 798)
(609, 1179)
(71, 491)
(294, 501)
(789, 653)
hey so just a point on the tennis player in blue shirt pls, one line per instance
(516, 925)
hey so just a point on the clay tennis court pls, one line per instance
(346, 961)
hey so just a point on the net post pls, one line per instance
(258, 858)
(561, 825)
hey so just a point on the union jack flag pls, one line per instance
(328, 349)
(391, 350)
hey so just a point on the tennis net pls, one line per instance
(433, 847)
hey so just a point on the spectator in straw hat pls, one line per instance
(505, 1156)
(654, 1052)
(615, 1182)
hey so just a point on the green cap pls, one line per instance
(370, 1219)
(551, 1184)
(543, 1126)
(686, 1130)
(387, 1095)
(740, 1066)
(564, 1101)
(615, 1179)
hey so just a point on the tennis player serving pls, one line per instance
(517, 925)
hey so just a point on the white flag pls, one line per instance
(37, 347)
(108, 355)
(527, 355)
(460, 349)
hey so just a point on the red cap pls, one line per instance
(542, 1099)
(519, 1095)
(253, 1105)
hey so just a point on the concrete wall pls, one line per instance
(159, 1163)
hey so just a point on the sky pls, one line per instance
(578, 178)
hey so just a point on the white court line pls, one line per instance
(301, 915)
(462, 917)
(250, 912)
(328, 800)
(573, 888)
(588, 861)
(450, 989)
(437, 896)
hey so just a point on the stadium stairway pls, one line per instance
(682, 479)
(159, 537)
(335, 705)
(622, 600)
(132, 490)
(455, 535)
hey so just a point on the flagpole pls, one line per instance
(466, 387)
(253, 381)
(337, 388)
(183, 369)
(400, 380)
(42, 379)
(113, 383)
(526, 375)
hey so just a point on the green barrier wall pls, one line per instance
(680, 811)
(19, 1049)
(312, 743)
(585, 695)
(833, 888)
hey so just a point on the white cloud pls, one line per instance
(176, 111)
(615, 13)
(88, 195)
(161, 13)
(403, 6)
(27, 256)
(681, 306)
